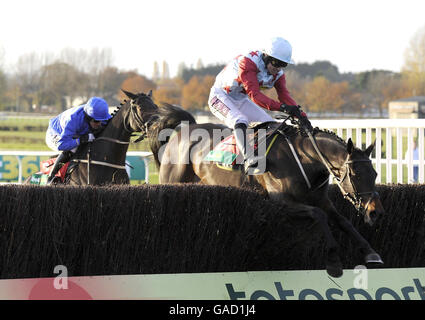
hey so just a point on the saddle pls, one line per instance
(226, 154)
(40, 178)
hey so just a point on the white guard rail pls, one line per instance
(393, 154)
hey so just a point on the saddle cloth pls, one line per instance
(226, 153)
(47, 165)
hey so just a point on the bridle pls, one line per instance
(356, 198)
(138, 119)
(141, 123)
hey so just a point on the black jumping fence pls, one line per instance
(153, 229)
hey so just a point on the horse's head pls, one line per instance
(142, 110)
(359, 181)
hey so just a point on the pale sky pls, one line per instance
(355, 35)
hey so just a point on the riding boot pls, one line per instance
(250, 160)
(63, 158)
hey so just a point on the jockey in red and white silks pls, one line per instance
(236, 96)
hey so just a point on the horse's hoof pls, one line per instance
(334, 271)
(373, 258)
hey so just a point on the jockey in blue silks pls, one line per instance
(75, 127)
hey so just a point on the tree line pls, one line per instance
(41, 81)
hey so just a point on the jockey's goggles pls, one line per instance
(91, 119)
(278, 64)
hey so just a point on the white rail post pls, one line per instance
(389, 155)
(421, 155)
(146, 162)
(399, 156)
(19, 168)
(368, 137)
(359, 138)
(349, 133)
(378, 150)
(409, 154)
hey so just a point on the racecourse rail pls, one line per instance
(143, 155)
(363, 132)
(404, 131)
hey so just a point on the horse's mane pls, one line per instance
(333, 135)
(291, 130)
(118, 108)
(169, 117)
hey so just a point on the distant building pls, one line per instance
(407, 108)
(77, 101)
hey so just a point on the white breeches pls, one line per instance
(232, 111)
(52, 141)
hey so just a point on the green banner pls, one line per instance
(9, 167)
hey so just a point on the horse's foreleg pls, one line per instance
(345, 225)
(333, 262)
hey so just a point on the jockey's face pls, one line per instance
(274, 66)
(95, 124)
(272, 70)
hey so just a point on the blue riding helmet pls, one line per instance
(98, 109)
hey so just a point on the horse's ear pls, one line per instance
(132, 96)
(369, 149)
(350, 146)
(150, 94)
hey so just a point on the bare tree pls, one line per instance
(165, 71)
(60, 84)
(27, 78)
(414, 65)
(3, 81)
(155, 74)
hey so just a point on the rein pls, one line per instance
(113, 140)
(106, 164)
(102, 163)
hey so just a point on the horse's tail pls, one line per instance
(169, 117)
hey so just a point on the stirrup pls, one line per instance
(251, 165)
(52, 181)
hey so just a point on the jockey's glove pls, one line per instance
(293, 111)
(305, 123)
(297, 112)
(89, 137)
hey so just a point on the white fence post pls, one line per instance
(378, 154)
(389, 155)
(421, 154)
(393, 127)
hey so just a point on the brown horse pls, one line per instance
(180, 145)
